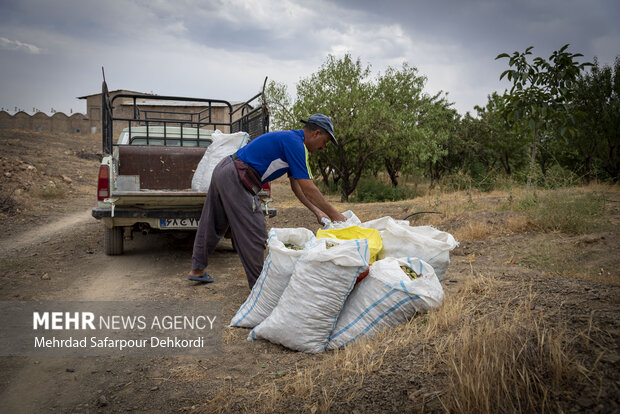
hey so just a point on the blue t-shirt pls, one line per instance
(275, 153)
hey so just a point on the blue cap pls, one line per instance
(324, 122)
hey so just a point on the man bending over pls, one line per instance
(232, 198)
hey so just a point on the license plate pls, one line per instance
(178, 223)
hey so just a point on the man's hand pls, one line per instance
(340, 217)
(320, 216)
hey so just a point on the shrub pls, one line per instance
(370, 190)
(462, 181)
(330, 188)
(52, 191)
(557, 177)
(7, 202)
(566, 211)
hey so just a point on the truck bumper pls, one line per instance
(133, 212)
(137, 213)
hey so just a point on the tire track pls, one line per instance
(43, 233)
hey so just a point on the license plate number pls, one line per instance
(178, 223)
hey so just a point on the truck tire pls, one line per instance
(113, 241)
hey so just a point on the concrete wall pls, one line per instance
(91, 122)
(59, 122)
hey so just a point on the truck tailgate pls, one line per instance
(158, 198)
(168, 169)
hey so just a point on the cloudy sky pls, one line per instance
(52, 51)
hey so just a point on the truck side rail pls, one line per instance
(248, 118)
(150, 118)
(106, 119)
(254, 121)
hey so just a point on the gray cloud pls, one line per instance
(224, 49)
(6, 44)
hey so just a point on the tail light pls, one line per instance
(267, 188)
(103, 184)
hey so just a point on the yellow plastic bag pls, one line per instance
(375, 243)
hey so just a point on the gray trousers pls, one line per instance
(228, 203)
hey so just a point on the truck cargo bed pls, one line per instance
(160, 167)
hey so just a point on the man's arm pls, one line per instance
(311, 197)
(302, 197)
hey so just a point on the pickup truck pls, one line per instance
(145, 177)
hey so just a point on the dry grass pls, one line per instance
(52, 191)
(34, 169)
(189, 373)
(485, 347)
(229, 335)
(510, 362)
(565, 256)
(509, 210)
(516, 224)
(473, 231)
(480, 230)
(7, 202)
(504, 359)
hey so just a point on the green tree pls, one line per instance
(597, 105)
(382, 124)
(541, 93)
(341, 89)
(377, 123)
(410, 119)
(279, 103)
(397, 101)
(506, 145)
(468, 155)
(438, 126)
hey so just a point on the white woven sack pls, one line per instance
(426, 242)
(352, 220)
(276, 274)
(386, 297)
(307, 311)
(222, 145)
(381, 223)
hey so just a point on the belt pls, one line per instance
(248, 176)
(252, 169)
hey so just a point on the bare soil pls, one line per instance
(52, 249)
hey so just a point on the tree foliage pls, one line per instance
(415, 124)
(504, 145)
(557, 118)
(541, 92)
(387, 123)
(341, 89)
(594, 145)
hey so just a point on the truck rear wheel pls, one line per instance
(113, 241)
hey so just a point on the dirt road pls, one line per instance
(63, 260)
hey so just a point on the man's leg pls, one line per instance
(211, 228)
(249, 233)
(247, 223)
